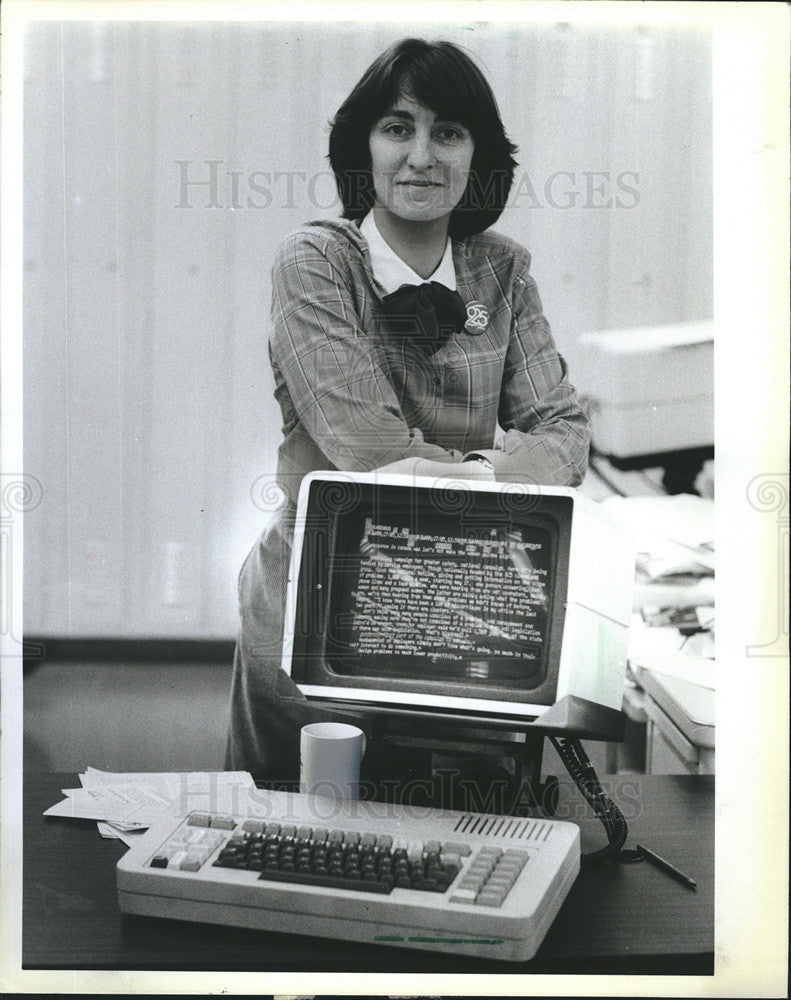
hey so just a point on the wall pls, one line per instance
(149, 419)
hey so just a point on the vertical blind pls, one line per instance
(163, 165)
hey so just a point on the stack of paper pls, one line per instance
(672, 534)
(674, 538)
(127, 803)
(666, 651)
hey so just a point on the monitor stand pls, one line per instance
(473, 762)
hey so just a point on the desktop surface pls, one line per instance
(616, 919)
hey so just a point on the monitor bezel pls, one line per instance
(411, 699)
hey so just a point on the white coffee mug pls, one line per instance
(329, 759)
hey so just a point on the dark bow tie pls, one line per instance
(427, 315)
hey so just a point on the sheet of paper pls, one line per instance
(165, 782)
(128, 803)
(669, 526)
(130, 800)
(694, 669)
(109, 831)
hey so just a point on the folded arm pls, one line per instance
(546, 432)
(329, 365)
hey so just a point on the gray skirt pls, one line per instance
(267, 708)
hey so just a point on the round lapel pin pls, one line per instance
(477, 318)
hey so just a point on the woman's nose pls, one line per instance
(421, 152)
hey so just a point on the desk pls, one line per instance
(616, 919)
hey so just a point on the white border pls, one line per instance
(751, 56)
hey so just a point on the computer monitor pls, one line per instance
(428, 595)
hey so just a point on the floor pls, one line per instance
(126, 715)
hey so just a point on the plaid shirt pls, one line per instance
(354, 398)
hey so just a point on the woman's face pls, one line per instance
(420, 163)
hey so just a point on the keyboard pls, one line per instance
(383, 874)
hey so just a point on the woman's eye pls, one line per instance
(450, 133)
(396, 129)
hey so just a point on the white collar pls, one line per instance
(391, 272)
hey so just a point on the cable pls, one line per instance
(578, 765)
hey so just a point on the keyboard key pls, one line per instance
(464, 896)
(490, 852)
(198, 819)
(500, 883)
(384, 843)
(160, 861)
(288, 832)
(351, 837)
(481, 868)
(383, 887)
(304, 833)
(450, 847)
(415, 851)
(490, 898)
(368, 840)
(253, 826)
(223, 823)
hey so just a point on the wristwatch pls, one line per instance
(479, 458)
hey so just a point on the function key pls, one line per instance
(198, 819)
(384, 843)
(288, 831)
(433, 847)
(352, 838)
(368, 840)
(223, 822)
(272, 830)
(336, 836)
(320, 834)
(304, 833)
(253, 826)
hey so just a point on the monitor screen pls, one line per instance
(418, 591)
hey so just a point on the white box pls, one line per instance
(648, 390)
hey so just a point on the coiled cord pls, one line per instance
(578, 765)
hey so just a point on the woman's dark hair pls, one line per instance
(445, 79)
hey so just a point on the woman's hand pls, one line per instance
(426, 467)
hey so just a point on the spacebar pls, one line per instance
(330, 881)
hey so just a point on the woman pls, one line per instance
(404, 338)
